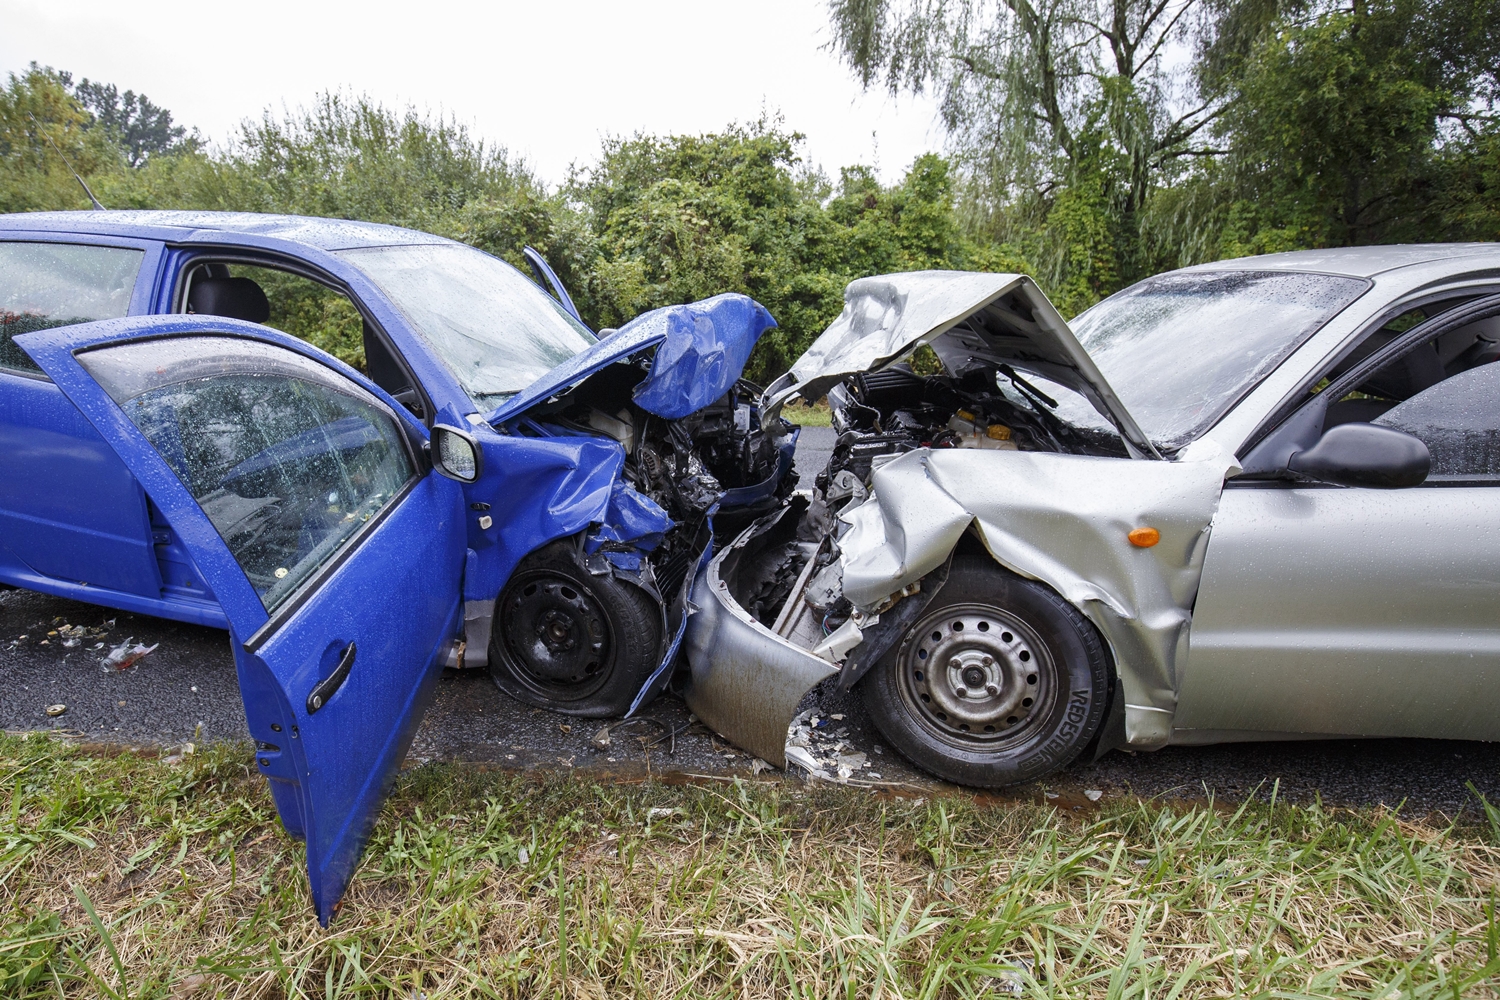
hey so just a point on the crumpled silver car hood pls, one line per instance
(962, 315)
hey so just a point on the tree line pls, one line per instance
(1090, 143)
(1107, 140)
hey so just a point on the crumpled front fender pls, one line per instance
(543, 489)
(1063, 520)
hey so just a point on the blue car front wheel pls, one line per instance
(569, 641)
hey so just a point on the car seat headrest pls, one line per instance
(237, 298)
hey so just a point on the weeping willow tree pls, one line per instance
(1064, 114)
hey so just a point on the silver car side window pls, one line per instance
(288, 458)
(43, 285)
(1459, 421)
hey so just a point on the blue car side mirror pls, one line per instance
(456, 454)
(1358, 454)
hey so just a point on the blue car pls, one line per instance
(487, 483)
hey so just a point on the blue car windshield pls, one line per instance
(1180, 349)
(493, 327)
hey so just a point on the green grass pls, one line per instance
(808, 414)
(123, 875)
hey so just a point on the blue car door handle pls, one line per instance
(328, 685)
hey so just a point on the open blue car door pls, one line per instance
(304, 495)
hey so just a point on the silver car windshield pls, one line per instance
(493, 327)
(1181, 349)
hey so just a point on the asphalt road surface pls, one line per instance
(814, 447)
(185, 690)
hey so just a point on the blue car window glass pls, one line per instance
(57, 284)
(310, 311)
(288, 459)
(492, 326)
(1180, 349)
(1459, 421)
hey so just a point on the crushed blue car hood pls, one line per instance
(706, 345)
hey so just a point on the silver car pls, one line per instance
(1251, 500)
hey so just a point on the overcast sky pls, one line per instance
(545, 79)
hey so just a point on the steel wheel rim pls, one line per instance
(556, 637)
(976, 677)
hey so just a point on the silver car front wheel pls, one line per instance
(1001, 681)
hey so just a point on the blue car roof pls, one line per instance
(322, 234)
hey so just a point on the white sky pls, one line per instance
(546, 80)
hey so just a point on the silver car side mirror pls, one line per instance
(1357, 454)
(456, 454)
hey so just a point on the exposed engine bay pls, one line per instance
(999, 373)
(716, 469)
(878, 416)
(592, 623)
(672, 455)
(983, 406)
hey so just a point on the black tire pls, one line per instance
(570, 641)
(1023, 692)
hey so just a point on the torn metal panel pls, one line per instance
(575, 476)
(1063, 520)
(746, 681)
(675, 437)
(704, 349)
(886, 315)
(631, 526)
(706, 346)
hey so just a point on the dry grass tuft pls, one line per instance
(128, 876)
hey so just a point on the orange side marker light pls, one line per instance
(1144, 538)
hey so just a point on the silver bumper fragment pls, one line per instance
(745, 681)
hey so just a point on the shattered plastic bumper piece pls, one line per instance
(746, 682)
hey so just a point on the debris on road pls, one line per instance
(126, 655)
(55, 710)
(67, 635)
(604, 738)
(821, 750)
(1093, 795)
(1011, 977)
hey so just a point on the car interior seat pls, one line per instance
(237, 298)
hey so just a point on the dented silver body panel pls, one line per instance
(1063, 520)
(888, 316)
(745, 681)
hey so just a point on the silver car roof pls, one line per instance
(1359, 262)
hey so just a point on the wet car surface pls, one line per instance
(1246, 501)
(483, 482)
(977, 558)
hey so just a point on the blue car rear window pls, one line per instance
(44, 285)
